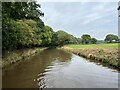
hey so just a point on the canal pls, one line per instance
(54, 68)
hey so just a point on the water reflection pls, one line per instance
(41, 81)
(58, 69)
(26, 72)
(56, 58)
(78, 73)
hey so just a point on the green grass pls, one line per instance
(112, 45)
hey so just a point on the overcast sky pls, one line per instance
(77, 18)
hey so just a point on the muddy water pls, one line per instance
(58, 69)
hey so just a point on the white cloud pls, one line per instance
(81, 17)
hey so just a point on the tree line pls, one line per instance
(110, 38)
(22, 27)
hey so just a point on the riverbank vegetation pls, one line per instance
(103, 53)
(108, 45)
(23, 28)
(18, 55)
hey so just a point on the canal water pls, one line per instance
(55, 68)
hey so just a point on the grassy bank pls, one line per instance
(19, 55)
(112, 45)
(107, 54)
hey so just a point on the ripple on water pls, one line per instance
(58, 69)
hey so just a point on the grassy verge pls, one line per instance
(112, 45)
(107, 54)
(19, 55)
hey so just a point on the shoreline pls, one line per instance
(97, 55)
(18, 55)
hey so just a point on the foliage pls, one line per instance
(54, 41)
(111, 38)
(73, 40)
(86, 38)
(31, 33)
(9, 34)
(93, 40)
(21, 25)
(47, 34)
(63, 37)
(21, 33)
(21, 10)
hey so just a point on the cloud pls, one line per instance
(78, 18)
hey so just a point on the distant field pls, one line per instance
(112, 45)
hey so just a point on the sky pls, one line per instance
(77, 18)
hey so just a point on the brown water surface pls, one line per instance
(55, 68)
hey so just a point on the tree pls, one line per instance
(111, 38)
(86, 38)
(93, 40)
(20, 34)
(22, 10)
(63, 37)
(54, 41)
(47, 35)
(73, 40)
(21, 25)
